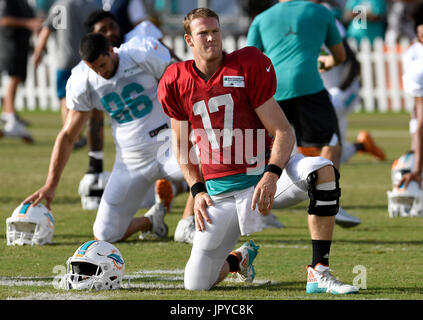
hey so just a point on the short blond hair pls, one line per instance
(198, 13)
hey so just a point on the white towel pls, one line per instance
(249, 220)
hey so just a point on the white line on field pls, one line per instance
(24, 283)
(158, 275)
(61, 296)
(174, 271)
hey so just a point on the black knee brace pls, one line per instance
(323, 195)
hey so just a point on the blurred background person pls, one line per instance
(400, 20)
(66, 20)
(17, 23)
(365, 19)
(128, 13)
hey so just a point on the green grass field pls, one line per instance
(386, 252)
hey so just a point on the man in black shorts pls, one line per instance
(17, 21)
(314, 120)
(291, 34)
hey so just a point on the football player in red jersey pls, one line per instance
(245, 149)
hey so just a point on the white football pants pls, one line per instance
(212, 246)
(127, 188)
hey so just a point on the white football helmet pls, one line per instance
(91, 189)
(95, 265)
(30, 225)
(404, 202)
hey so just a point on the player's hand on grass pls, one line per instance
(202, 200)
(45, 193)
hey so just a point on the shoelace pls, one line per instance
(241, 276)
(327, 277)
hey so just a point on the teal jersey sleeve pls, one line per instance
(333, 36)
(254, 36)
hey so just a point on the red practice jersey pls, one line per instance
(229, 134)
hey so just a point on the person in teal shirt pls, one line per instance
(291, 33)
(366, 19)
(292, 38)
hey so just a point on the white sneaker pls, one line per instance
(185, 230)
(246, 255)
(14, 129)
(320, 280)
(4, 117)
(159, 228)
(270, 221)
(345, 220)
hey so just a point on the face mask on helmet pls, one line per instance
(406, 202)
(95, 265)
(30, 225)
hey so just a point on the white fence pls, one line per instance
(381, 71)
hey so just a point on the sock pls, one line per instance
(233, 263)
(321, 249)
(8, 116)
(95, 161)
(359, 146)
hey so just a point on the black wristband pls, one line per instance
(274, 169)
(197, 188)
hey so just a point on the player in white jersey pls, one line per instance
(105, 23)
(413, 85)
(123, 82)
(407, 180)
(415, 51)
(343, 84)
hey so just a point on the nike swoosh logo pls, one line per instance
(268, 68)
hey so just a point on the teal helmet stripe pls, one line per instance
(24, 208)
(85, 247)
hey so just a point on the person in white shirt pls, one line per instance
(415, 51)
(413, 85)
(123, 82)
(163, 191)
